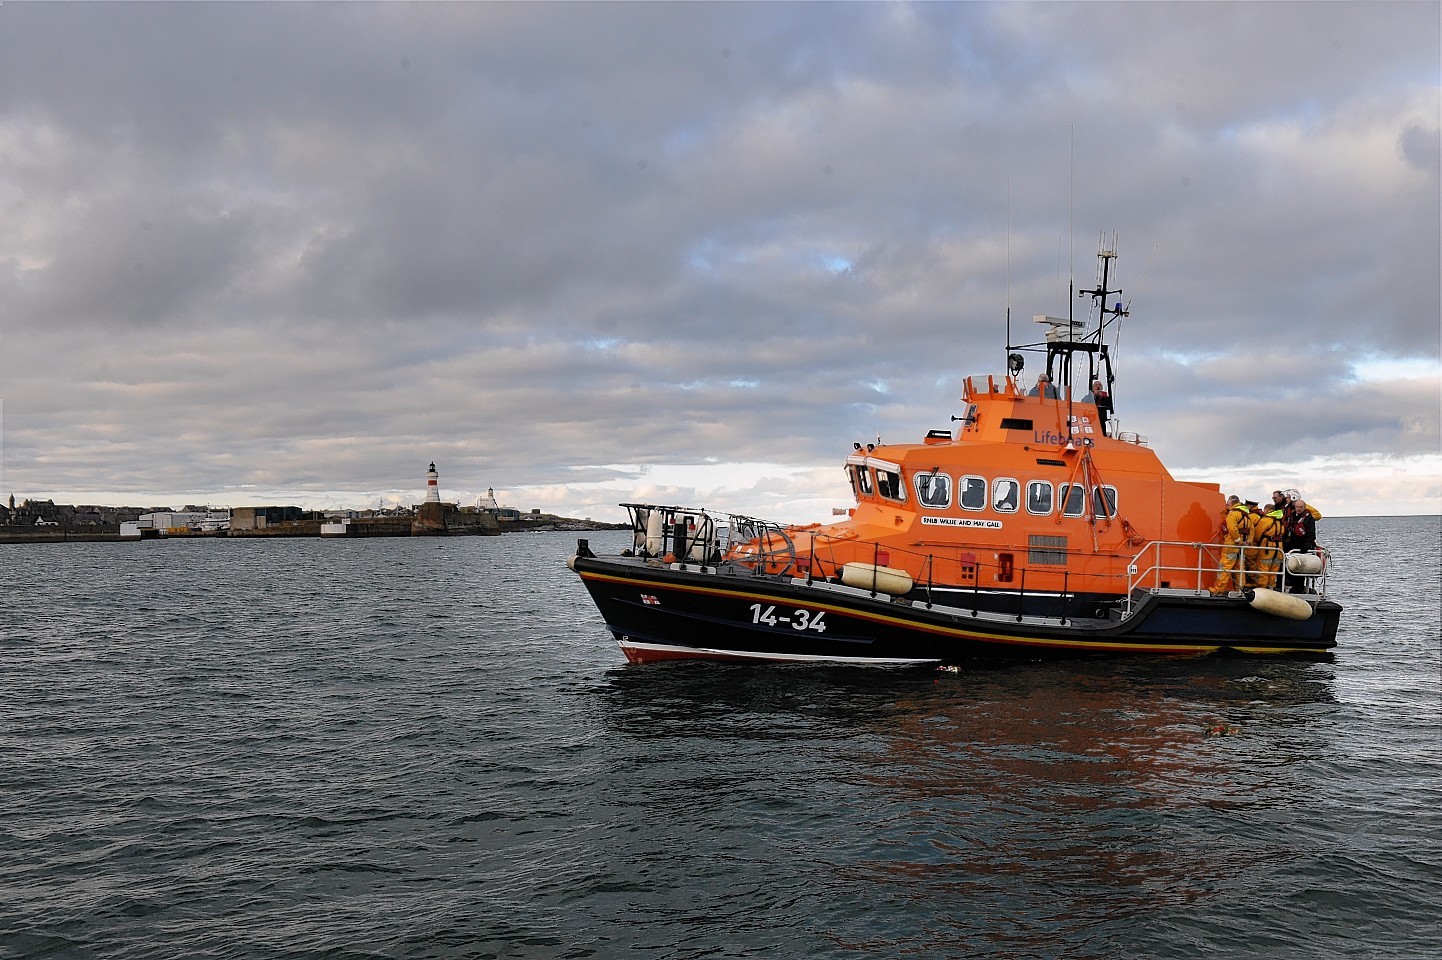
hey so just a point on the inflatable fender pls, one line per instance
(869, 576)
(1280, 604)
(655, 534)
(1304, 564)
(638, 538)
(701, 534)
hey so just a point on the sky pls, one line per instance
(587, 254)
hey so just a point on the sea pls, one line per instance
(431, 748)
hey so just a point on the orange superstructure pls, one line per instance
(1029, 493)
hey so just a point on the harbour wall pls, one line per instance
(426, 523)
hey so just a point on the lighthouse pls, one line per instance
(433, 488)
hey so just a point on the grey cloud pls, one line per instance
(538, 237)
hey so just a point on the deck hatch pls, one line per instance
(1046, 550)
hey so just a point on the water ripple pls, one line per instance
(415, 748)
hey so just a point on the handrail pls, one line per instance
(685, 534)
(1146, 569)
(764, 533)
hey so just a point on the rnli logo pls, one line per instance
(961, 522)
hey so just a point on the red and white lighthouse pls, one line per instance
(433, 487)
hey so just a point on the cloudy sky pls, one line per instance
(583, 254)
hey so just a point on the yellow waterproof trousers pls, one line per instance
(1228, 579)
(1264, 569)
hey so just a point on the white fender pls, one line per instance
(1304, 564)
(1280, 604)
(638, 536)
(868, 576)
(655, 536)
(702, 535)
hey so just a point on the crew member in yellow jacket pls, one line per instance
(1236, 524)
(1265, 559)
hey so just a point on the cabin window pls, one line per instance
(888, 484)
(1005, 495)
(973, 493)
(1073, 497)
(861, 479)
(1046, 550)
(1039, 497)
(933, 490)
(1104, 501)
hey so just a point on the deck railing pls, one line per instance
(1161, 561)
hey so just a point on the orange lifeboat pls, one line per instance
(1035, 527)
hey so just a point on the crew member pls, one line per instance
(1300, 536)
(1099, 396)
(1043, 388)
(1266, 539)
(1295, 503)
(1235, 527)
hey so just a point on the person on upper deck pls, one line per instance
(1099, 396)
(1043, 388)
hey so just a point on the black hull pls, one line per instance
(666, 613)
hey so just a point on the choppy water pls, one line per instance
(431, 748)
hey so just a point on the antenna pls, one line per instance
(1138, 284)
(1071, 261)
(1058, 268)
(1071, 225)
(1008, 262)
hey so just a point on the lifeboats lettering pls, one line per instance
(798, 619)
(1049, 437)
(961, 522)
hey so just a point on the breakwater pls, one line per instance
(424, 524)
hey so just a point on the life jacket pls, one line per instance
(1243, 523)
(1267, 530)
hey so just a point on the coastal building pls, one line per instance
(166, 522)
(258, 518)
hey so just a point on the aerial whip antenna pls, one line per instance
(1137, 286)
(1071, 225)
(1008, 263)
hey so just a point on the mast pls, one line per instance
(1106, 315)
(1066, 337)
